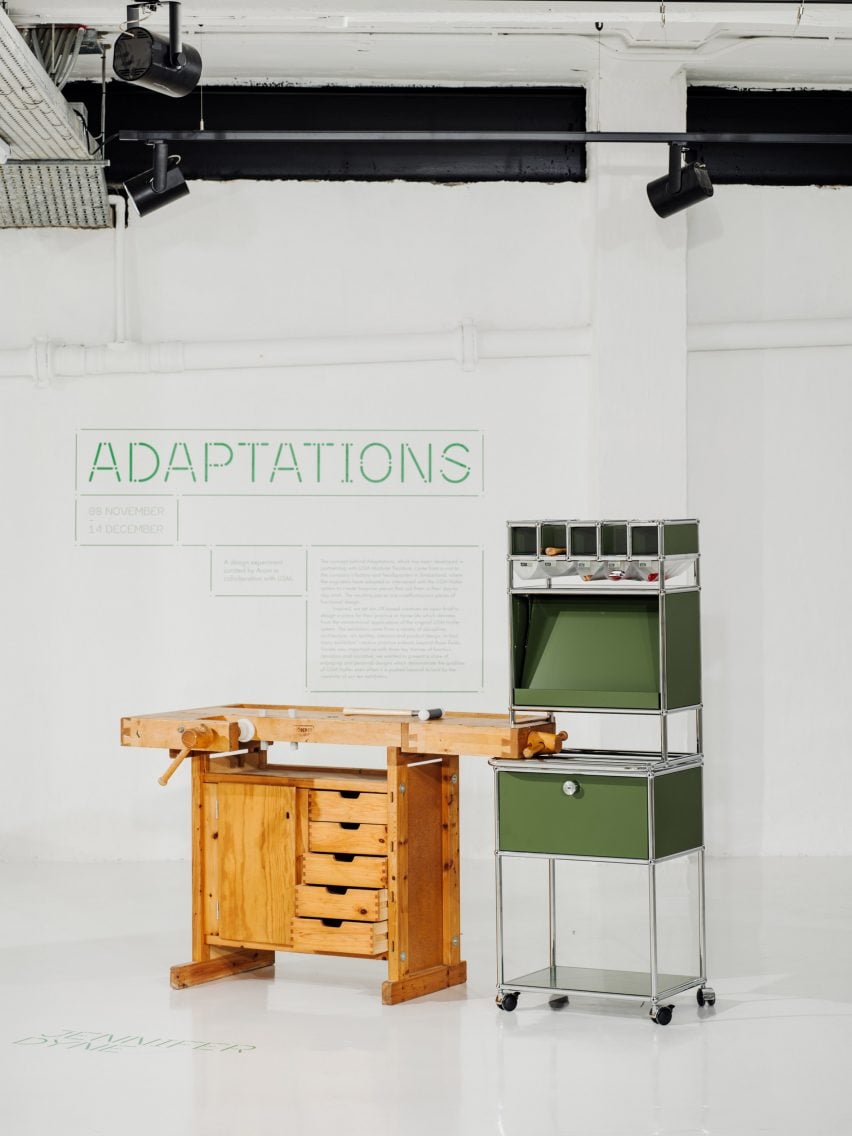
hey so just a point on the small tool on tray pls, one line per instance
(423, 715)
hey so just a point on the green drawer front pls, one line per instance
(607, 817)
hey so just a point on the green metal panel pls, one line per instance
(679, 540)
(523, 540)
(605, 699)
(678, 823)
(644, 540)
(553, 536)
(613, 540)
(607, 817)
(584, 540)
(520, 626)
(683, 649)
(588, 651)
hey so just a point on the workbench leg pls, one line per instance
(451, 874)
(423, 890)
(208, 962)
(200, 947)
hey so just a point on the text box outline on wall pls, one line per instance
(214, 549)
(317, 689)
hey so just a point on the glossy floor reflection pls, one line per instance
(94, 1041)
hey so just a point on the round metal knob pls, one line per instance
(570, 788)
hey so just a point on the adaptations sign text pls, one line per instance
(275, 462)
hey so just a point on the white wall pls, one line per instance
(91, 634)
(769, 475)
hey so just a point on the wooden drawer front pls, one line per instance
(367, 808)
(345, 870)
(347, 836)
(340, 937)
(336, 902)
(606, 816)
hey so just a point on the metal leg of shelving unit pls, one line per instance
(702, 920)
(664, 735)
(498, 874)
(652, 920)
(551, 916)
(699, 730)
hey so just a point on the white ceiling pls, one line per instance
(520, 41)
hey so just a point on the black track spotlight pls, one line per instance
(681, 187)
(160, 185)
(150, 60)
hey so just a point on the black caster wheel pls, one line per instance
(507, 1002)
(558, 1002)
(663, 1015)
(705, 996)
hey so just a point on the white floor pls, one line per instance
(93, 1041)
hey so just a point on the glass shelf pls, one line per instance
(605, 983)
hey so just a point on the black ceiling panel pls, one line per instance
(807, 112)
(340, 108)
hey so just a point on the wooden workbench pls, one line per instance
(359, 862)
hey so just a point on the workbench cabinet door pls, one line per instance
(594, 816)
(251, 857)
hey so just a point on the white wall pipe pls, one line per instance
(119, 207)
(466, 346)
(767, 335)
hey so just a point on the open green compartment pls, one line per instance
(603, 651)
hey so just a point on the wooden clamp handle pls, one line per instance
(164, 780)
(192, 737)
(538, 742)
(555, 551)
(197, 737)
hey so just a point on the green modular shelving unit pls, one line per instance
(604, 618)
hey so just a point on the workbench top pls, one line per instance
(485, 735)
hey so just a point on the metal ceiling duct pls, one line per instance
(51, 178)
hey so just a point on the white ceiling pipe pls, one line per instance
(465, 345)
(119, 209)
(766, 335)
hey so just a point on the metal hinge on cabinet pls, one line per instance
(217, 910)
(216, 808)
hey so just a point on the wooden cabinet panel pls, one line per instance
(255, 857)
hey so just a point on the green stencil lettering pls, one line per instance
(113, 468)
(454, 461)
(180, 468)
(279, 468)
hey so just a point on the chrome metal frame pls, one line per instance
(647, 764)
(619, 767)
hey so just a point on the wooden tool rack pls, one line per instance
(358, 862)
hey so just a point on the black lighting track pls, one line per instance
(262, 108)
(689, 139)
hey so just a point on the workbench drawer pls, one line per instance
(584, 814)
(340, 936)
(344, 869)
(335, 902)
(348, 805)
(347, 836)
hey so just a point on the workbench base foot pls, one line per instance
(424, 982)
(234, 962)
